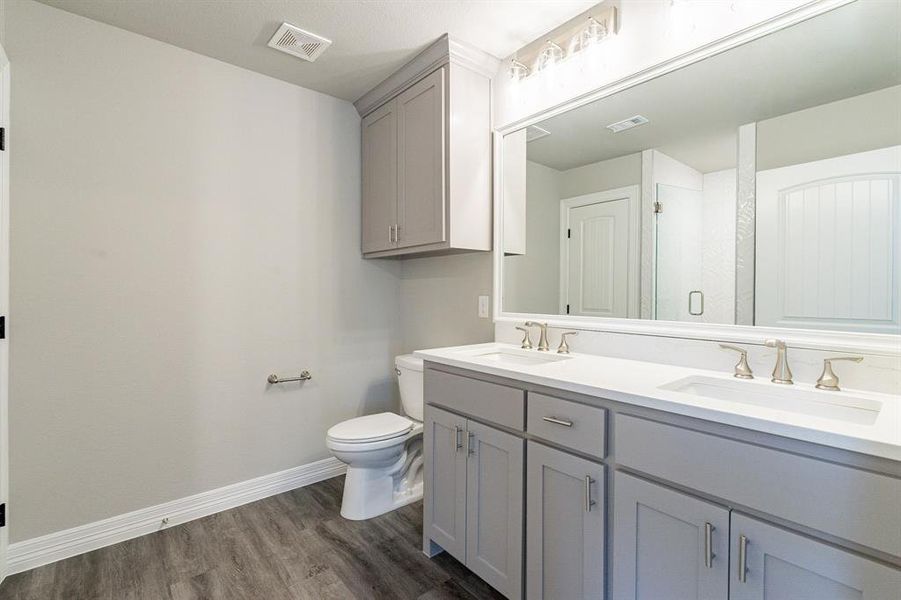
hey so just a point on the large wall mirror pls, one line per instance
(759, 186)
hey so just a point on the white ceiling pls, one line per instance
(371, 38)
(694, 112)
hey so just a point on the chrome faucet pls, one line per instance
(742, 369)
(828, 379)
(542, 341)
(563, 348)
(781, 372)
(526, 340)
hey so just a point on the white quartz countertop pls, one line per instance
(641, 384)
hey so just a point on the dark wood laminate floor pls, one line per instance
(288, 547)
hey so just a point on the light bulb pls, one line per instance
(551, 55)
(518, 70)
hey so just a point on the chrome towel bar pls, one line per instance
(304, 375)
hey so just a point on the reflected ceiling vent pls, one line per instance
(297, 42)
(534, 132)
(627, 123)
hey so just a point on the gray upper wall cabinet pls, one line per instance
(426, 152)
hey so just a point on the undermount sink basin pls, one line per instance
(519, 359)
(838, 406)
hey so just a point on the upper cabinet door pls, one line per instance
(494, 488)
(445, 491)
(667, 544)
(421, 157)
(779, 565)
(565, 526)
(380, 178)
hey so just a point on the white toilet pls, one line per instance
(383, 452)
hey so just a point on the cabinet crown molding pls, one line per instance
(446, 50)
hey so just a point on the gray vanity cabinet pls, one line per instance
(564, 527)
(474, 497)
(494, 507)
(445, 501)
(667, 544)
(777, 564)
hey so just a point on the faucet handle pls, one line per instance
(774, 343)
(742, 369)
(563, 348)
(828, 379)
(526, 340)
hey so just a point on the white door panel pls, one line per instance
(828, 244)
(599, 271)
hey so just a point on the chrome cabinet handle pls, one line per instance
(742, 559)
(557, 421)
(458, 440)
(470, 448)
(708, 545)
(588, 501)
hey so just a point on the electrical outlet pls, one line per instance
(484, 308)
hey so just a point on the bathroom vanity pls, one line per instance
(581, 476)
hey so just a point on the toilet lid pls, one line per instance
(371, 428)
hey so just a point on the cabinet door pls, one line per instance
(565, 526)
(667, 544)
(494, 509)
(379, 131)
(445, 491)
(420, 168)
(780, 565)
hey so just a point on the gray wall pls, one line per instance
(439, 300)
(181, 228)
(605, 175)
(856, 124)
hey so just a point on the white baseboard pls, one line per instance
(56, 546)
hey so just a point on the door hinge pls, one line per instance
(567, 309)
(658, 208)
(2, 328)
(569, 233)
(3, 515)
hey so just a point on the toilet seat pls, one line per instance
(370, 428)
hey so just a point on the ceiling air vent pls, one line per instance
(534, 132)
(297, 42)
(627, 124)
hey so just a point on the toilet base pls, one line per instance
(370, 492)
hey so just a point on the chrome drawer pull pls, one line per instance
(557, 421)
(708, 545)
(457, 437)
(742, 559)
(472, 438)
(588, 501)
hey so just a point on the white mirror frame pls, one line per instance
(867, 343)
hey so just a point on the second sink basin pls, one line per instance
(838, 406)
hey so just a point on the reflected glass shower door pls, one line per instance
(677, 274)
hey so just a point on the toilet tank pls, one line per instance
(409, 378)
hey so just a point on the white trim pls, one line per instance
(91, 536)
(866, 343)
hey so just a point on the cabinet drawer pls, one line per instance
(488, 401)
(569, 424)
(855, 505)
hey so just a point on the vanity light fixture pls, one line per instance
(518, 70)
(627, 123)
(550, 55)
